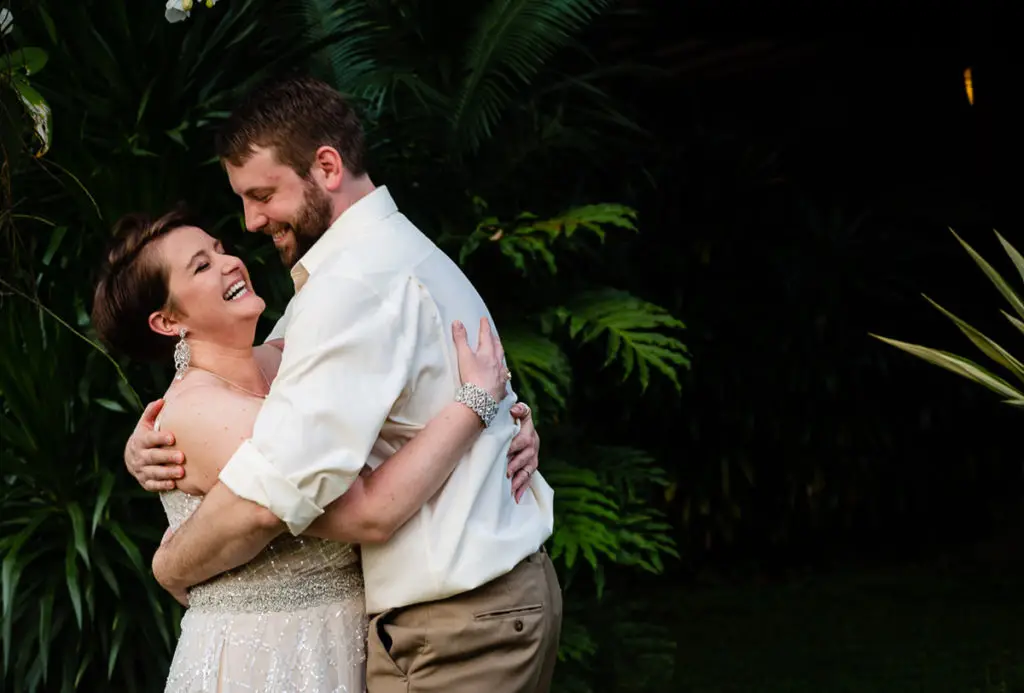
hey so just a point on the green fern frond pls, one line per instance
(576, 643)
(539, 366)
(634, 332)
(511, 42)
(595, 517)
(586, 514)
(531, 238)
(591, 217)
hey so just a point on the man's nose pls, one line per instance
(254, 219)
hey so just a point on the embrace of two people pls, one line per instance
(353, 504)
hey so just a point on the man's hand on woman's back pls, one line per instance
(147, 457)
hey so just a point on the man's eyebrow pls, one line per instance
(258, 192)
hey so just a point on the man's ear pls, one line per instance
(329, 168)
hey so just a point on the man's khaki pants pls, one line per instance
(499, 638)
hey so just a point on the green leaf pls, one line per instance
(115, 648)
(634, 330)
(45, 628)
(957, 364)
(510, 43)
(38, 110)
(130, 549)
(110, 404)
(106, 487)
(1015, 256)
(1014, 321)
(74, 589)
(78, 528)
(538, 367)
(107, 573)
(29, 60)
(530, 238)
(56, 236)
(994, 277)
(987, 346)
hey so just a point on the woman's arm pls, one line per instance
(376, 505)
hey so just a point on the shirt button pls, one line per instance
(518, 625)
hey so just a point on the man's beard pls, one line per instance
(312, 220)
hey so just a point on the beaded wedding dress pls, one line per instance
(292, 619)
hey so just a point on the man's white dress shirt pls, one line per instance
(368, 361)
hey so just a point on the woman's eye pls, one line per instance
(203, 266)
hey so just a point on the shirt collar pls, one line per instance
(374, 207)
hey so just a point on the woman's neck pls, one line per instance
(236, 364)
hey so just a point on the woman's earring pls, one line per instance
(182, 355)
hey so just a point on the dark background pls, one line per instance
(846, 517)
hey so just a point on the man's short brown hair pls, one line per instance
(294, 117)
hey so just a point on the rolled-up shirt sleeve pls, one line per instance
(349, 352)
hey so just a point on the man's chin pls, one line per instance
(289, 258)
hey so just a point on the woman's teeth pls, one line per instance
(236, 291)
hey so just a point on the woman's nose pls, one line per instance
(230, 264)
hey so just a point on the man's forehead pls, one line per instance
(259, 170)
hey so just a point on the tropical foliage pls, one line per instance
(460, 116)
(1012, 394)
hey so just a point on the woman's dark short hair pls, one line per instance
(133, 284)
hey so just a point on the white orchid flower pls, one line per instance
(7, 18)
(178, 10)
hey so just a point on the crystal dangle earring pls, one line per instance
(182, 355)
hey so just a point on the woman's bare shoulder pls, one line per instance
(209, 421)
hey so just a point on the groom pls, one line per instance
(463, 598)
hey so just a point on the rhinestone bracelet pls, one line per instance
(479, 400)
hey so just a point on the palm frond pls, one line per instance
(634, 330)
(511, 42)
(341, 33)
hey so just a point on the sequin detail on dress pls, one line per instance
(292, 619)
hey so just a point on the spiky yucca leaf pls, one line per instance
(959, 365)
(963, 366)
(1001, 284)
(634, 330)
(986, 345)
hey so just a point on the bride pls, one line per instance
(292, 618)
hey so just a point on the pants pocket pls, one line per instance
(507, 612)
(383, 675)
